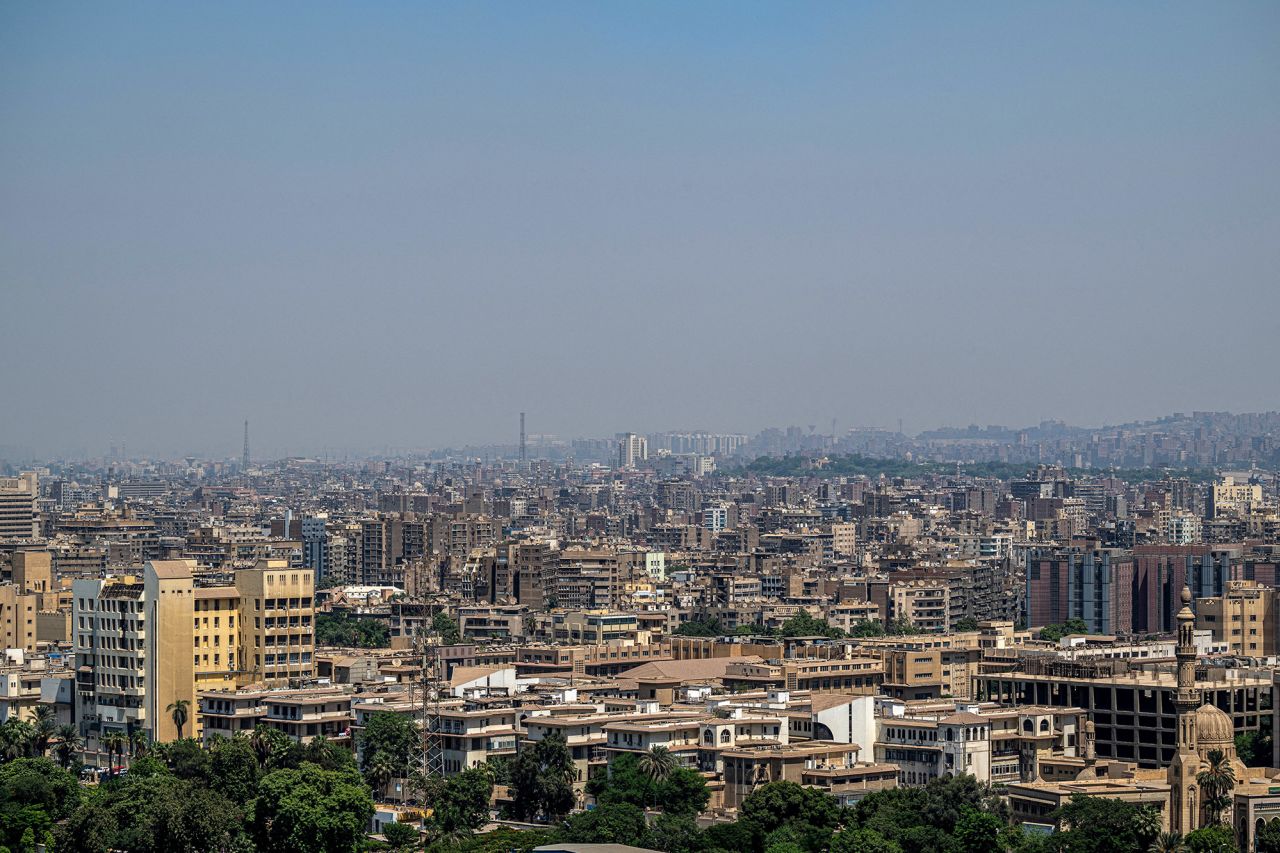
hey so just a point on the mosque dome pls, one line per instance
(1214, 728)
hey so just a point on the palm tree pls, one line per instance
(1168, 842)
(16, 739)
(260, 742)
(1147, 825)
(657, 764)
(180, 709)
(115, 744)
(380, 772)
(1216, 781)
(45, 720)
(68, 745)
(138, 743)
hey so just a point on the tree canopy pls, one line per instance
(351, 631)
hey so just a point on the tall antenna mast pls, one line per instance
(244, 463)
(524, 455)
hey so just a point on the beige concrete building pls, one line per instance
(216, 638)
(133, 651)
(1241, 617)
(142, 644)
(18, 519)
(277, 622)
(1232, 498)
(926, 604)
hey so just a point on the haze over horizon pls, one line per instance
(402, 225)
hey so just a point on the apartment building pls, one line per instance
(925, 604)
(18, 516)
(1242, 618)
(995, 744)
(277, 622)
(143, 643)
(133, 642)
(216, 638)
(301, 714)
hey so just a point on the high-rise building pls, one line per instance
(18, 518)
(144, 643)
(1241, 618)
(632, 450)
(1160, 573)
(1095, 585)
(277, 622)
(133, 642)
(1232, 498)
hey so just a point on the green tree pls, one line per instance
(1211, 839)
(387, 745)
(977, 832)
(1254, 749)
(17, 739)
(1100, 825)
(1267, 838)
(401, 836)
(683, 792)
(274, 749)
(502, 840)
(867, 628)
(114, 743)
(1168, 842)
(327, 754)
(68, 745)
(1216, 782)
(675, 833)
(351, 631)
(657, 764)
(443, 625)
(700, 628)
(379, 771)
(901, 626)
(614, 823)
(968, 623)
(34, 794)
(309, 810)
(812, 814)
(187, 760)
(459, 803)
(44, 723)
(1054, 633)
(233, 769)
(180, 711)
(803, 624)
(863, 841)
(152, 814)
(542, 778)
(632, 779)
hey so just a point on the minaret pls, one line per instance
(1184, 813)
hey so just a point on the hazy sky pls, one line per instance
(373, 224)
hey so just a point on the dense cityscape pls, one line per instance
(972, 639)
(726, 426)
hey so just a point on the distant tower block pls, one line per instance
(524, 454)
(244, 463)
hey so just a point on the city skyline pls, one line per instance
(401, 226)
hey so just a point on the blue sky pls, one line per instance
(362, 225)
